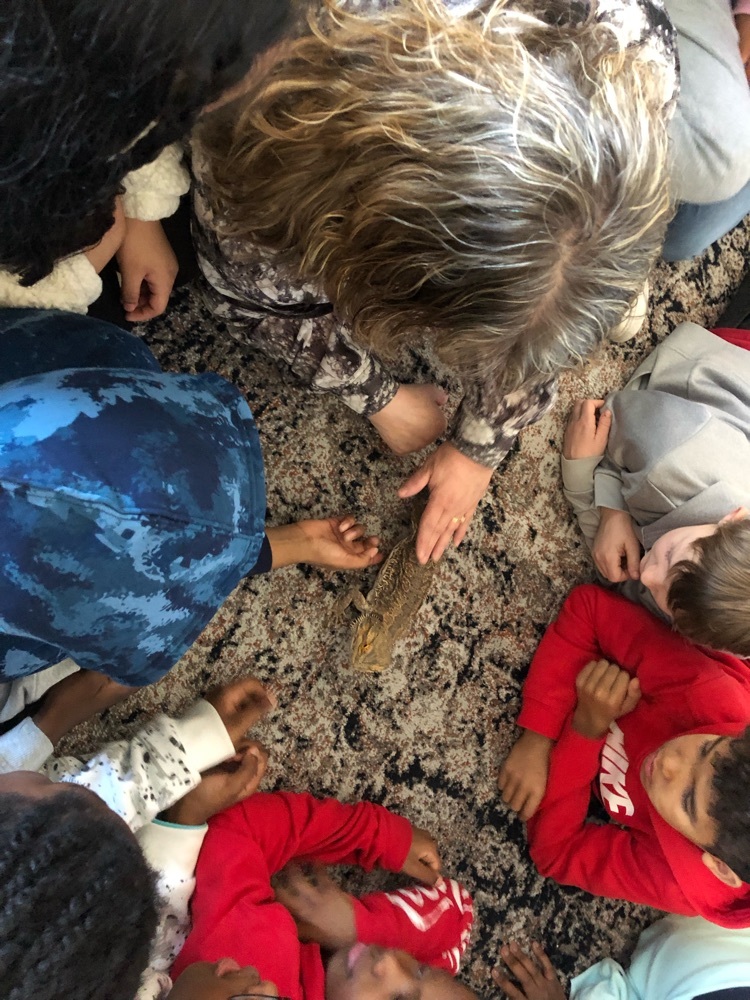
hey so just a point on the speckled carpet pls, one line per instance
(427, 737)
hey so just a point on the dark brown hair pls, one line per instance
(710, 597)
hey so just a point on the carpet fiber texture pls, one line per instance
(427, 737)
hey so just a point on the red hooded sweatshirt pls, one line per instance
(235, 915)
(684, 689)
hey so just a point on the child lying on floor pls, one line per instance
(666, 468)
(404, 943)
(66, 935)
(677, 958)
(664, 730)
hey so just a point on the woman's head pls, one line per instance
(496, 181)
(77, 899)
(91, 89)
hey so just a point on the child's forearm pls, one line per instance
(143, 776)
(603, 860)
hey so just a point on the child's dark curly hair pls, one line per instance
(77, 900)
(92, 89)
(730, 806)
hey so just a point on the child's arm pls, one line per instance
(592, 623)
(288, 826)
(141, 777)
(171, 847)
(584, 445)
(432, 924)
(593, 487)
(603, 860)
(147, 263)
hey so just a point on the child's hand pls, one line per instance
(148, 268)
(605, 692)
(322, 911)
(742, 22)
(423, 861)
(616, 550)
(537, 980)
(412, 419)
(585, 436)
(242, 704)
(336, 543)
(523, 776)
(74, 699)
(222, 787)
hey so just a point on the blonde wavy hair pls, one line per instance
(495, 181)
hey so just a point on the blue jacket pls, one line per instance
(132, 501)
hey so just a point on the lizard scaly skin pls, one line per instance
(390, 607)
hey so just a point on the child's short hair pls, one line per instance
(730, 806)
(92, 89)
(710, 598)
(77, 901)
(497, 180)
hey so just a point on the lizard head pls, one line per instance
(371, 646)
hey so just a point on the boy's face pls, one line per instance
(678, 778)
(220, 980)
(673, 547)
(368, 972)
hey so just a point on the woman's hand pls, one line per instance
(585, 436)
(412, 419)
(616, 550)
(457, 484)
(148, 268)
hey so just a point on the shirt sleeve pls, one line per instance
(140, 777)
(578, 487)
(286, 826)
(154, 190)
(607, 980)
(24, 748)
(608, 486)
(172, 851)
(72, 285)
(592, 623)
(432, 923)
(489, 420)
(603, 860)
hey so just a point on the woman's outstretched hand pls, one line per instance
(456, 483)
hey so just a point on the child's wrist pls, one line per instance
(589, 726)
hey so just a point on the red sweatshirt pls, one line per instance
(235, 915)
(684, 690)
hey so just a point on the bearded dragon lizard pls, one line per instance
(390, 607)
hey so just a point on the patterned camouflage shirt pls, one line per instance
(132, 500)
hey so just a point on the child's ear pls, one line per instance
(738, 514)
(721, 870)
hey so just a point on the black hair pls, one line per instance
(77, 901)
(730, 806)
(92, 89)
